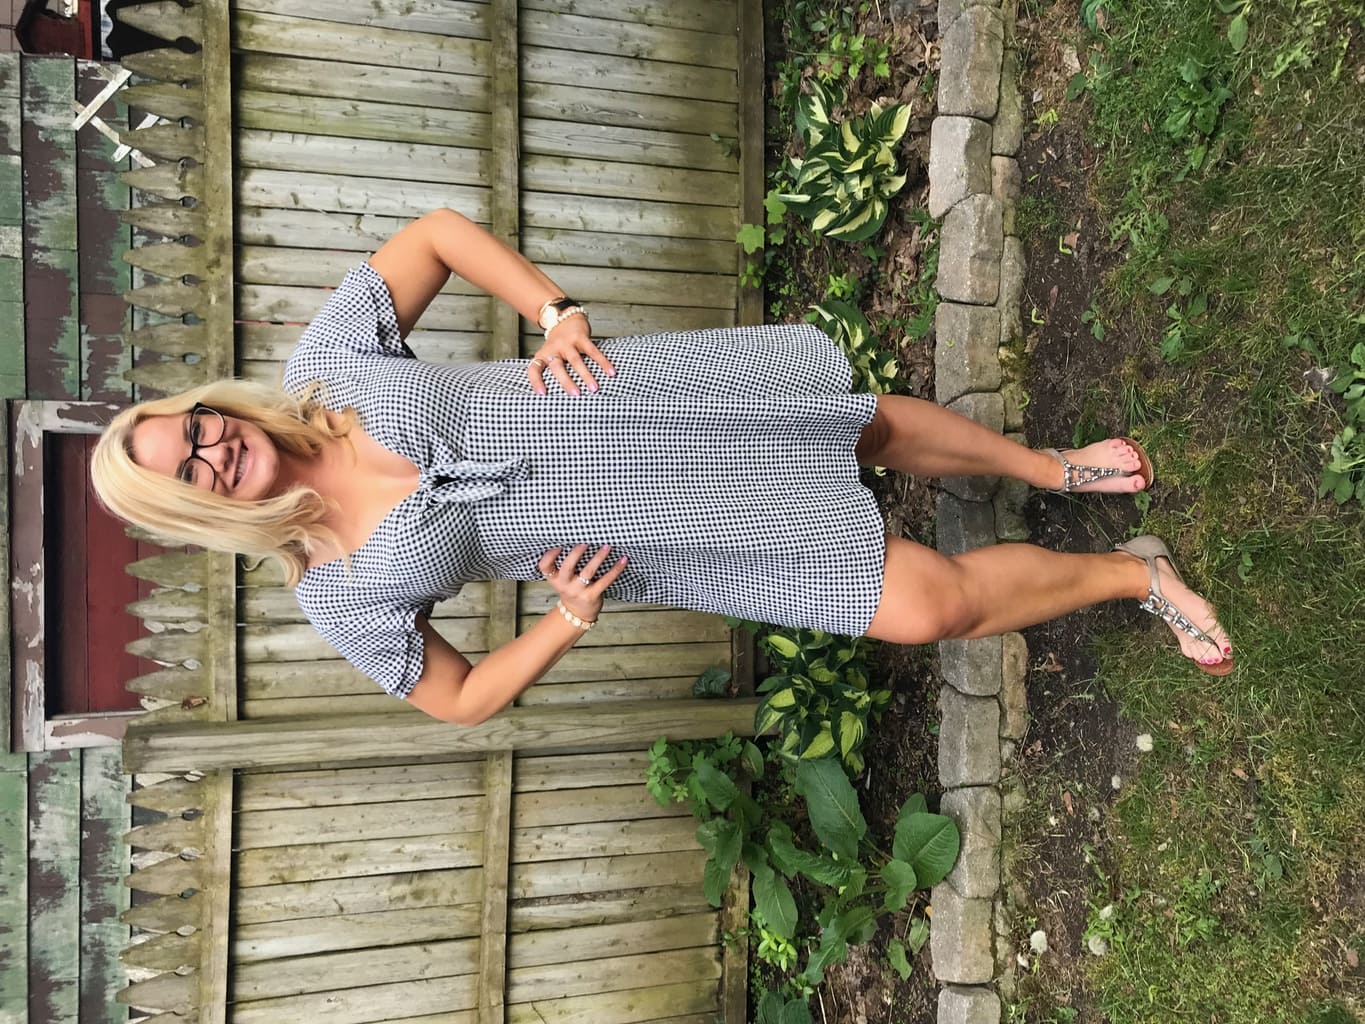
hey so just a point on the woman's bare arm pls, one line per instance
(417, 262)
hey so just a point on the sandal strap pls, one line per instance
(1163, 609)
(1074, 476)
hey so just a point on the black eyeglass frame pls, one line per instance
(197, 446)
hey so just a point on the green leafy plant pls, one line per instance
(1196, 104)
(818, 700)
(874, 369)
(1092, 317)
(856, 882)
(849, 172)
(1180, 319)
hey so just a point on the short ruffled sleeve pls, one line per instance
(359, 317)
(384, 643)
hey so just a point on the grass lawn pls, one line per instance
(1230, 883)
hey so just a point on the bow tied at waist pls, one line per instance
(466, 481)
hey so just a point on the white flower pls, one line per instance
(1097, 945)
(1144, 742)
(1106, 911)
(1038, 942)
(1116, 782)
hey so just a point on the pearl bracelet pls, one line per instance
(562, 315)
(574, 620)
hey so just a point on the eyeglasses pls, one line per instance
(206, 430)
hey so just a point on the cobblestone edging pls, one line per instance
(974, 182)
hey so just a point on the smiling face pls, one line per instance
(244, 464)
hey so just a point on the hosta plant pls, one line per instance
(849, 172)
(873, 369)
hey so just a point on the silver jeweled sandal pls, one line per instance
(1074, 476)
(1149, 549)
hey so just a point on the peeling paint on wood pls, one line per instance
(54, 885)
(52, 350)
(26, 575)
(12, 381)
(14, 889)
(104, 862)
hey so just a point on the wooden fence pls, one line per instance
(326, 850)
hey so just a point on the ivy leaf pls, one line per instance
(714, 682)
(751, 237)
(929, 843)
(833, 806)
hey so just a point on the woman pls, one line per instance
(713, 470)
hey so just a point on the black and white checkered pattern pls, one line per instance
(721, 462)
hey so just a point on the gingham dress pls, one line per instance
(720, 462)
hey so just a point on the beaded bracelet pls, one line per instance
(563, 315)
(574, 620)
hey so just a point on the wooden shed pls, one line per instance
(304, 845)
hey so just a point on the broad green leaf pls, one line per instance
(721, 838)
(782, 645)
(1237, 33)
(715, 879)
(916, 804)
(714, 682)
(900, 880)
(833, 806)
(919, 934)
(774, 901)
(895, 955)
(796, 1012)
(850, 732)
(929, 843)
(770, 1008)
(719, 788)
(821, 745)
(782, 698)
(753, 759)
(791, 859)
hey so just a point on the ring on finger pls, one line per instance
(553, 359)
(584, 581)
(537, 361)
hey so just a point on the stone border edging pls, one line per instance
(974, 182)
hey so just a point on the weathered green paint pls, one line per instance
(13, 888)
(8, 762)
(52, 331)
(54, 886)
(12, 382)
(104, 862)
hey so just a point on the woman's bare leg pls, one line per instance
(922, 438)
(928, 597)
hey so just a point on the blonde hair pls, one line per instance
(287, 527)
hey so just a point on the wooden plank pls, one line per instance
(51, 267)
(301, 642)
(105, 816)
(324, 40)
(104, 276)
(12, 379)
(751, 136)
(594, 803)
(601, 839)
(8, 689)
(207, 746)
(633, 689)
(572, 771)
(442, 17)
(357, 195)
(586, 177)
(339, 823)
(565, 102)
(339, 932)
(595, 213)
(28, 584)
(278, 604)
(641, 252)
(544, 64)
(320, 115)
(363, 156)
(361, 1005)
(582, 977)
(620, 38)
(379, 703)
(276, 342)
(539, 879)
(641, 1004)
(264, 680)
(496, 861)
(653, 906)
(653, 628)
(701, 15)
(624, 144)
(359, 896)
(324, 268)
(64, 500)
(377, 83)
(54, 891)
(396, 784)
(316, 861)
(14, 932)
(292, 976)
(285, 304)
(590, 942)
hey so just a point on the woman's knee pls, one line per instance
(924, 596)
(873, 440)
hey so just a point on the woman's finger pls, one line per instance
(535, 373)
(584, 374)
(596, 355)
(568, 568)
(546, 565)
(562, 375)
(595, 563)
(609, 577)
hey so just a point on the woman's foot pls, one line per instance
(1192, 619)
(1121, 464)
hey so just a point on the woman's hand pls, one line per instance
(580, 593)
(568, 341)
